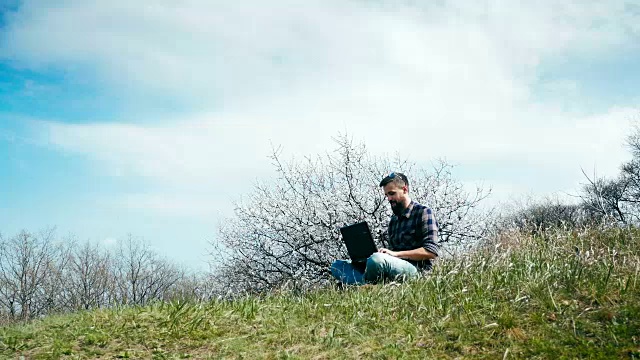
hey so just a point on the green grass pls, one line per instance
(523, 298)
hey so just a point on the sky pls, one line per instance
(152, 118)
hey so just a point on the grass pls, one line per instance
(566, 295)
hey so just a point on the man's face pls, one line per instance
(397, 197)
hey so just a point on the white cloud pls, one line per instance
(453, 80)
(198, 49)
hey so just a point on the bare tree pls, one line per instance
(609, 198)
(89, 277)
(618, 198)
(141, 275)
(25, 262)
(54, 292)
(287, 231)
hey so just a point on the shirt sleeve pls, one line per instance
(429, 232)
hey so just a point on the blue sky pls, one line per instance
(153, 118)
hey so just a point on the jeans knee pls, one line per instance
(375, 260)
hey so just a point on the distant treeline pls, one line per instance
(41, 274)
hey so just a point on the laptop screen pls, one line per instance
(359, 242)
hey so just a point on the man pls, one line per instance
(412, 239)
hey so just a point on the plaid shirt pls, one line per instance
(415, 228)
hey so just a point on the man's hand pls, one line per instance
(389, 252)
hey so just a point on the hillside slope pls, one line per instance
(564, 295)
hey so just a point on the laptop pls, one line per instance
(359, 242)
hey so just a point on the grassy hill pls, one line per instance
(564, 295)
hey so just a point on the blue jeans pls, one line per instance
(380, 267)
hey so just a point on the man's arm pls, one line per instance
(416, 254)
(430, 232)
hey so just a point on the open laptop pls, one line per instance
(359, 242)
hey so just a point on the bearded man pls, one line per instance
(412, 239)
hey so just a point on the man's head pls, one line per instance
(396, 189)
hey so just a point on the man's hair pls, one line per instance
(398, 178)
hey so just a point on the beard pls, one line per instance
(397, 208)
